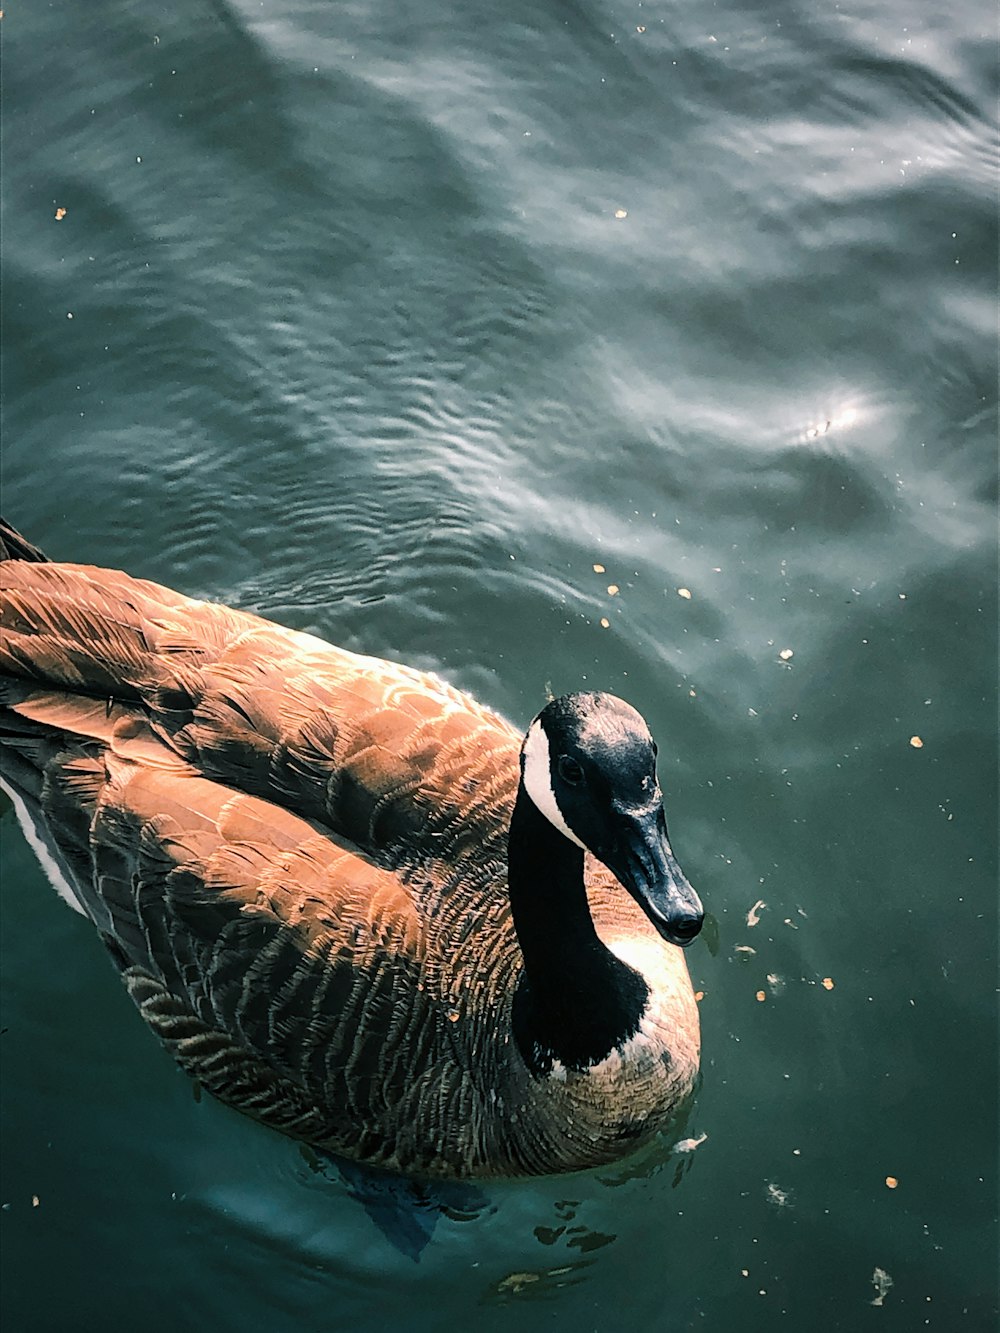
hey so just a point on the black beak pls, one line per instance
(642, 861)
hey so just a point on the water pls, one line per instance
(391, 322)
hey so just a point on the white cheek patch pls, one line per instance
(538, 780)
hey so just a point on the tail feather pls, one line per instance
(15, 547)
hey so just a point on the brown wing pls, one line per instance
(403, 765)
(299, 975)
(289, 973)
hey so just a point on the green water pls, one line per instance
(391, 321)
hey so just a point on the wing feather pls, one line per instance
(390, 758)
(285, 846)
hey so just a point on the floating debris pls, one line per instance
(775, 983)
(776, 1195)
(881, 1281)
(516, 1282)
(753, 916)
(689, 1145)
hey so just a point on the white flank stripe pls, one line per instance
(538, 780)
(35, 841)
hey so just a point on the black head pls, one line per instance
(589, 764)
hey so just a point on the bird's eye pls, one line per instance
(570, 771)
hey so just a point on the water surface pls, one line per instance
(391, 321)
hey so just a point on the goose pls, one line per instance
(349, 900)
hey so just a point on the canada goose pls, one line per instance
(351, 901)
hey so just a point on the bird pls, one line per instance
(350, 900)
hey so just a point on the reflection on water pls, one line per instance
(405, 1211)
(839, 421)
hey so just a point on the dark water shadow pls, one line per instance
(405, 1211)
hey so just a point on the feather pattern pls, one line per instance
(297, 858)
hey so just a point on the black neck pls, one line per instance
(576, 1001)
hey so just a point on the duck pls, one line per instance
(351, 901)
